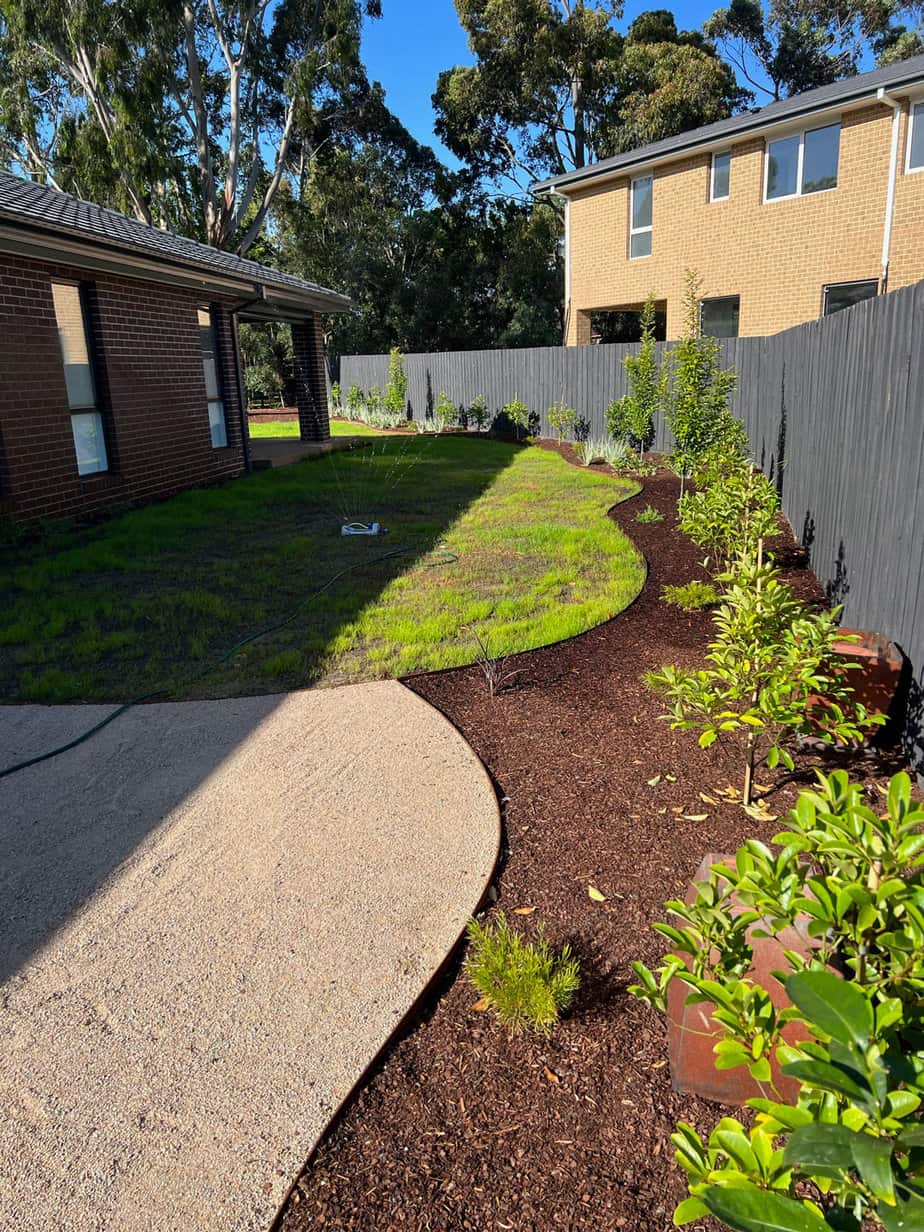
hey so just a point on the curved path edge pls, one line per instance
(216, 916)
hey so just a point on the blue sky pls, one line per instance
(416, 39)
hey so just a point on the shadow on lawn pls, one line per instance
(68, 824)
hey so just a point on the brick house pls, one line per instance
(787, 213)
(120, 377)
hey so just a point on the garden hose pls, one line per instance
(441, 556)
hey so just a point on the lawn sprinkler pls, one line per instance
(363, 528)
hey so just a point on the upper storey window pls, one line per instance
(640, 224)
(916, 137)
(803, 163)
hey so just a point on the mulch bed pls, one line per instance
(464, 1128)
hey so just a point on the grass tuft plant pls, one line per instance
(691, 597)
(525, 982)
(617, 454)
(649, 514)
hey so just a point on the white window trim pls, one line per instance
(800, 133)
(633, 230)
(912, 103)
(718, 154)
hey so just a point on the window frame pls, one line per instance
(633, 230)
(90, 408)
(801, 133)
(851, 282)
(914, 104)
(719, 154)
(220, 399)
(720, 299)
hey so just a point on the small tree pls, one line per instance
(770, 675)
(518, 414)
(697, 403)
(445, 413)
(478, 412)
(631, 417)
(731, 515)
(562, 418)
(396, 391)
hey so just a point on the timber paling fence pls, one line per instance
(834, 410)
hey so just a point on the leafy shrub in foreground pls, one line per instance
(856, 1129)
(769, 675)
(690, 597)
(526, 984)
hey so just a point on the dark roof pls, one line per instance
(839, 93)
(47, 209)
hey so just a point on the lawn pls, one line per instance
(280, 428)
(156, 596)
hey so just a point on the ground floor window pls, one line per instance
(615, 325)
(841, 295)
(209, 346)
(76, 355)
(719, 317)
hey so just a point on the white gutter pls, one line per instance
(896, 104)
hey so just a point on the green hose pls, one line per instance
(443, 557)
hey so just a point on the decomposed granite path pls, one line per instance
(213, 915)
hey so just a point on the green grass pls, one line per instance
(275, 429)
(147, 599)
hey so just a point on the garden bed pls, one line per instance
(463, 1128)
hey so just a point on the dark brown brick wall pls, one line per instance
(310, 379)
(150, 389)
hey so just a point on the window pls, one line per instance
(916, 137)
(640, 228)
(86, 421)
(209, 347)
(719, 317)
(845, 294)
(803, 163)
(721, 176)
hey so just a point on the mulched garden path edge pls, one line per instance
(463, 1127)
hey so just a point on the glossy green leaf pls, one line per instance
(822, 1150)
(688, 1210)
(756, 1210)
(874, 1163)
(839, 1009)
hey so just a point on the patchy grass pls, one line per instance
(280, 428)
(148, 599)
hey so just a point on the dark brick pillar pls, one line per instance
(310, 379)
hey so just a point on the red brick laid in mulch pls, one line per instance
(465, 1128)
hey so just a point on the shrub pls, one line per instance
(355, 402)
(616, 454)
(736, 510)
(562, 419)
(697, 400)
(632, 417)
(517, 413)
(581, 429)
(691, 597)
(526, 984)
(445, 412)
(335, 407)
(493, 667)
(768, 669)
(649, 514)
(395, 400)
(478, 412)
(855, 1130)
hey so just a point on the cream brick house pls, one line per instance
(787, 213)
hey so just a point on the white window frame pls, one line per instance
(633, 230)
(719, 154)
(801, 134)
(912, 121)
(850, 282)
(216, 418)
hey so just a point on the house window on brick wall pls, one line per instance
(840, 295)
(76, 355)
(916, 137)
(719, 317)
(720, 177)
(802, 163)
(640, 216)
(208, 341)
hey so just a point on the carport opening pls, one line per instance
(624, 323)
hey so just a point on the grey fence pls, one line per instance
(835, 414)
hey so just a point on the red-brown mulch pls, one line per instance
(464, 1128)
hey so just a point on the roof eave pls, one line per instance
(752, 124)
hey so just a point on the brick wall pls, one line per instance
(777, 255)
(150, 391)
(310, 379)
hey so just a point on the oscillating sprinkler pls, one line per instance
(363, 528)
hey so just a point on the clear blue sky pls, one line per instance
(416, 39)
